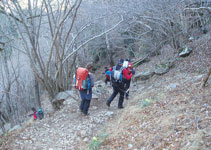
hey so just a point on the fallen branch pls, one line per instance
(206, 79)
(140, 60)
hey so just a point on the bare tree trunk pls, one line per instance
(109, 52)
(33, 33)
(37, 92)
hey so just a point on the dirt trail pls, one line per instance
(65, 129)
(169, 112)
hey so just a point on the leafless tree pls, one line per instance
(49, 60)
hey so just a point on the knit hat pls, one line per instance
(127, 59)
(121, 61)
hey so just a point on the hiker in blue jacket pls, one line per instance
(86, 95)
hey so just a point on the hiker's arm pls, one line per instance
(133, 71)
(30, 115)
(92, 79)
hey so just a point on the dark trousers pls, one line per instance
(117, 89)
(127, 86)
(84, 107)
(107, 80)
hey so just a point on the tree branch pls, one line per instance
(91, 40)
(2, 11)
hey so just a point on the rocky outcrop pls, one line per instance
(144, 75)
(61, 97)
(163, 68)
(185, 51)
(100, 90)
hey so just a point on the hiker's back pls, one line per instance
(81, 80)
(116, 74)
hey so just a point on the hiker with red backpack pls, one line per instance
(117, 83)
(127, 81)
(84, 81)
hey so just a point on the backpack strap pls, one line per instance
(121, 69)
(114, 68)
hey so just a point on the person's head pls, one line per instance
(121, 62)
(33, 109)
(127, 59)
(89, 66)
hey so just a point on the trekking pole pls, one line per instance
(127, 90)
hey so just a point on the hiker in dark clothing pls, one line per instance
(118, 86)
(86, 95)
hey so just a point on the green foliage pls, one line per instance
(97, 141)
(4, 138)
(144, 102)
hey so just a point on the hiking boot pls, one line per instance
(108, 104)
(121, 107)
(86, 114)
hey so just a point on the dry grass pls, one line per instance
(177, 117)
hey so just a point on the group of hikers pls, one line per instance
(119, 77)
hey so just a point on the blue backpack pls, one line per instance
(40, 114)
(108, 73)
(88, 83)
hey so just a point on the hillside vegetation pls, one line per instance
(44, 42)
(171, 111)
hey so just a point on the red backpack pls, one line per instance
(80, 78)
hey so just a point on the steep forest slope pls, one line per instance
(166, 112)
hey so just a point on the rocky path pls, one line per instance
(67, 129)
